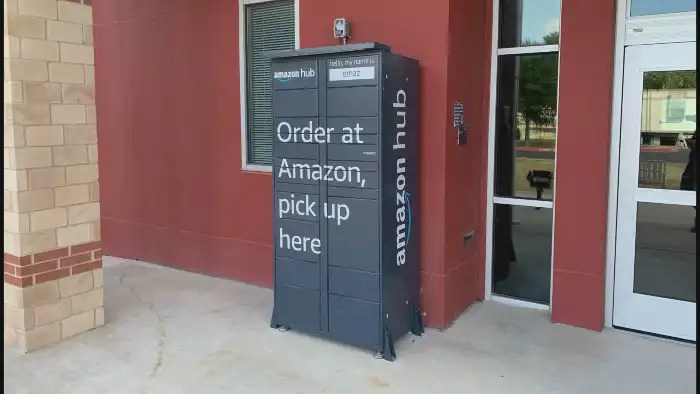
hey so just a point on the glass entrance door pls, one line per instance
(655, 258)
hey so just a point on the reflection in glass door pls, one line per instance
(655, 258)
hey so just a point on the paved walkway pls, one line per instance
(172, 332)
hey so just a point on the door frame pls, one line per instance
(491, 198)
(675, 28)
(673, 318)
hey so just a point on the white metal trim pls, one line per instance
(490, 198)
(613, 169)
(554, 184)
(663, 196)
(527, 50)
(635, 310)
(661, 29)
(242, 72)
(257, 168)
(488, 272)
(521, 202)
(519, 303)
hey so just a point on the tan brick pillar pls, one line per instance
(53, 265)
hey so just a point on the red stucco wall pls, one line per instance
(468, 82)
(583, 151)
(172, 187)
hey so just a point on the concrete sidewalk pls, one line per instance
(171, 332)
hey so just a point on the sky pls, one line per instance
(540, 17)
(650, 7)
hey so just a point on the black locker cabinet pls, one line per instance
(345, 173)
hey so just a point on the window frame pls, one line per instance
(246, 165)
(673, 98)
(491, 197)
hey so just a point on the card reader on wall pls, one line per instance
(458, 122)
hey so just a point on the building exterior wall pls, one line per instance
(583, 159)
(52, 250)
(174, 191)
(658, 118)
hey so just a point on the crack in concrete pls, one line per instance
(161, 325)
(226, 308)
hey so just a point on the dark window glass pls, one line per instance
(665, 261)
(655, 7)
(270, 26)
(526, 109)
(528, 22)
(522, 252)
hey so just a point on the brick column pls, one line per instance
(52, 255)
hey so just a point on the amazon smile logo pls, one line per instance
(290, 75)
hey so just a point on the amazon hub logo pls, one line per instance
(286, 76)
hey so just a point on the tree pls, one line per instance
(657, 80)
(537, 86)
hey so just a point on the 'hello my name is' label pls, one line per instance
(351, 73)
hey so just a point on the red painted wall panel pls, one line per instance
(172, 188)
(583, 151)
(468, 82)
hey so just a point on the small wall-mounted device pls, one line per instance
(458, 122)
(341, 29)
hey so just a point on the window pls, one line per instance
(657, 7)
(269, 26)
(675, 108)
(524, 141)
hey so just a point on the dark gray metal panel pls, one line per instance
(324, 223)
(353, 193)
(354, 101)
(297, 307)
(400, 197)
(297, 130)
(295, 75)
(354, 321)
(329, 50)
(367, 139)
(297, 168)
(371, 167)
(296, 151)
(368, 125)
(298, 206)
(296, 187)
(295, 103)
(293, 239)
(366, 177)
(361, 152)
(354, 283)
(298, 273)
(355, 242)
(358, 175)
